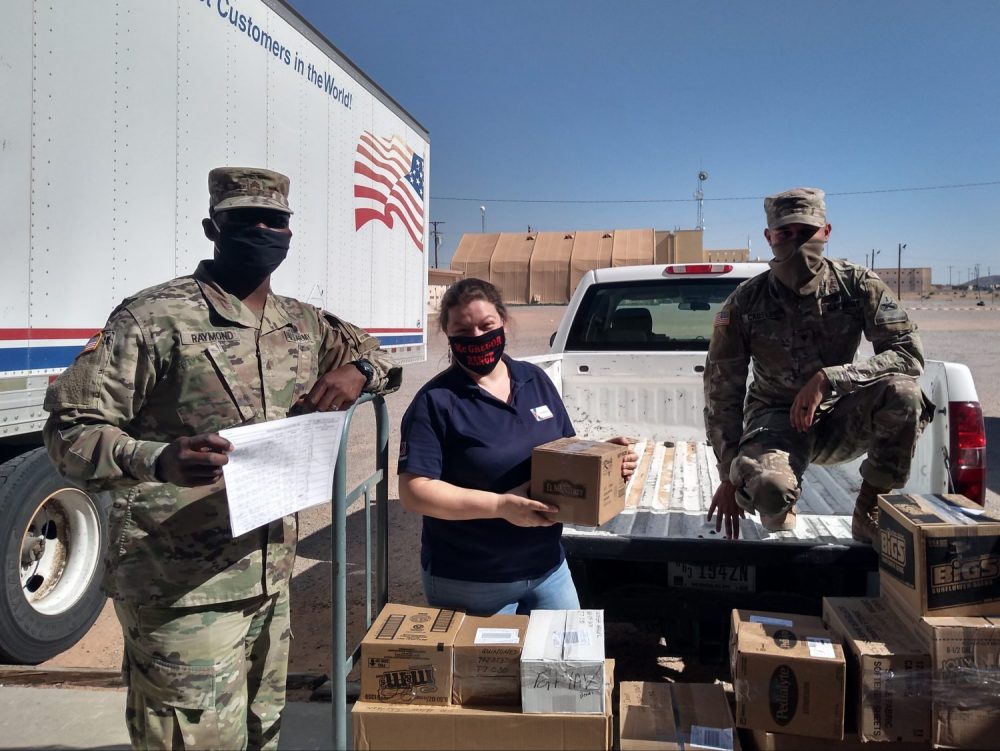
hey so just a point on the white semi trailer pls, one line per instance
(113, 114)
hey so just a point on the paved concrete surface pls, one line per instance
(73, 718)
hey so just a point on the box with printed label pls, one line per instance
(406, 656)
(583, 478)
(788, 674)
(562, 663)
(965, 660)
(888, 670)
(488, 660)
(390, 727)
(674, 717)
(939, 555)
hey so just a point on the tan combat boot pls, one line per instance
(783, 522)
(864, 523)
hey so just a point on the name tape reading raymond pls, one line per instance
(244, 24)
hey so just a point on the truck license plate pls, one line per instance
(717, 576)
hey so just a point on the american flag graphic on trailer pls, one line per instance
(389, 180)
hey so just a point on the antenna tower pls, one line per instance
(700, 197)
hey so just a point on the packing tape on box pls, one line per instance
(962, 686)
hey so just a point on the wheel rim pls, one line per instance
(60, 550)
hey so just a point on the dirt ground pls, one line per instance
(953, 328)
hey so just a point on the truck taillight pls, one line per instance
(698, 268)
(968, 450)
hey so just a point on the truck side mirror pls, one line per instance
(552, 338)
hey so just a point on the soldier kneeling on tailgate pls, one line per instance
(800, 325)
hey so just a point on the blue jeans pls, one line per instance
(551, 591)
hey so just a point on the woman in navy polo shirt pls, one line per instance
(465, 464)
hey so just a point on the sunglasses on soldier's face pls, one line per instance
(252, 217)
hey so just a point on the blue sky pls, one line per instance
(627, 101)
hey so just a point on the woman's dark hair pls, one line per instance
(465, 291)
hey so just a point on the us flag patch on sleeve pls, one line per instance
(722, 318)
(93, 343)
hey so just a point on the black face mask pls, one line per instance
(249, 254)
(480, 354)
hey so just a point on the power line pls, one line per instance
(728, 198)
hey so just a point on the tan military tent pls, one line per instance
(546, 267)
(510, 264)
(550, 268)
(688, 246)
(591, 250)
(633, 247)
(473, 254)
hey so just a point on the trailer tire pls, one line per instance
(52, 548)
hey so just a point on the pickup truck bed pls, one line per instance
(671, 491)
(659, 560)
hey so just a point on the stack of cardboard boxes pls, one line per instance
(922, 660)
(916, 668)
(939, 571)
(854, 677)
(438, 679)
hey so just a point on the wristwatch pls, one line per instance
(367, 370)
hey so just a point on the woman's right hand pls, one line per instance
(518, 509)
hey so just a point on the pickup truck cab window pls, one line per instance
(663, 315)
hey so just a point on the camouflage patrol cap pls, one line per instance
(801, 205)
(247, 187)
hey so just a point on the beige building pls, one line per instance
(730, 255)
(438, 280)
(545, 267)
(914, 281)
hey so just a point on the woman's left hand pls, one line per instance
(631, 460)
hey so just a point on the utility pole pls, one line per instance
(899, 270)
(482, 211)
(949, 277)
(437, 241)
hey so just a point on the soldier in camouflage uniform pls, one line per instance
(205, 616)
(800, 325)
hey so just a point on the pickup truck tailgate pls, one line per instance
(671, 491)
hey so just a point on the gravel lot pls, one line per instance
(952, 329)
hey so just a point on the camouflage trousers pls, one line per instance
(209, 677)
(883, 418)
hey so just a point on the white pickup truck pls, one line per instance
(628, 359)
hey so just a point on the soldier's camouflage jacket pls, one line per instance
(789, 337)
(182, 358)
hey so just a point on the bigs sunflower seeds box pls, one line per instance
(562, 663)
(888, 670)
(674, 717)
(789, 674)
(488, 661)
(939, 555)
(583, 478)
(407, 654)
